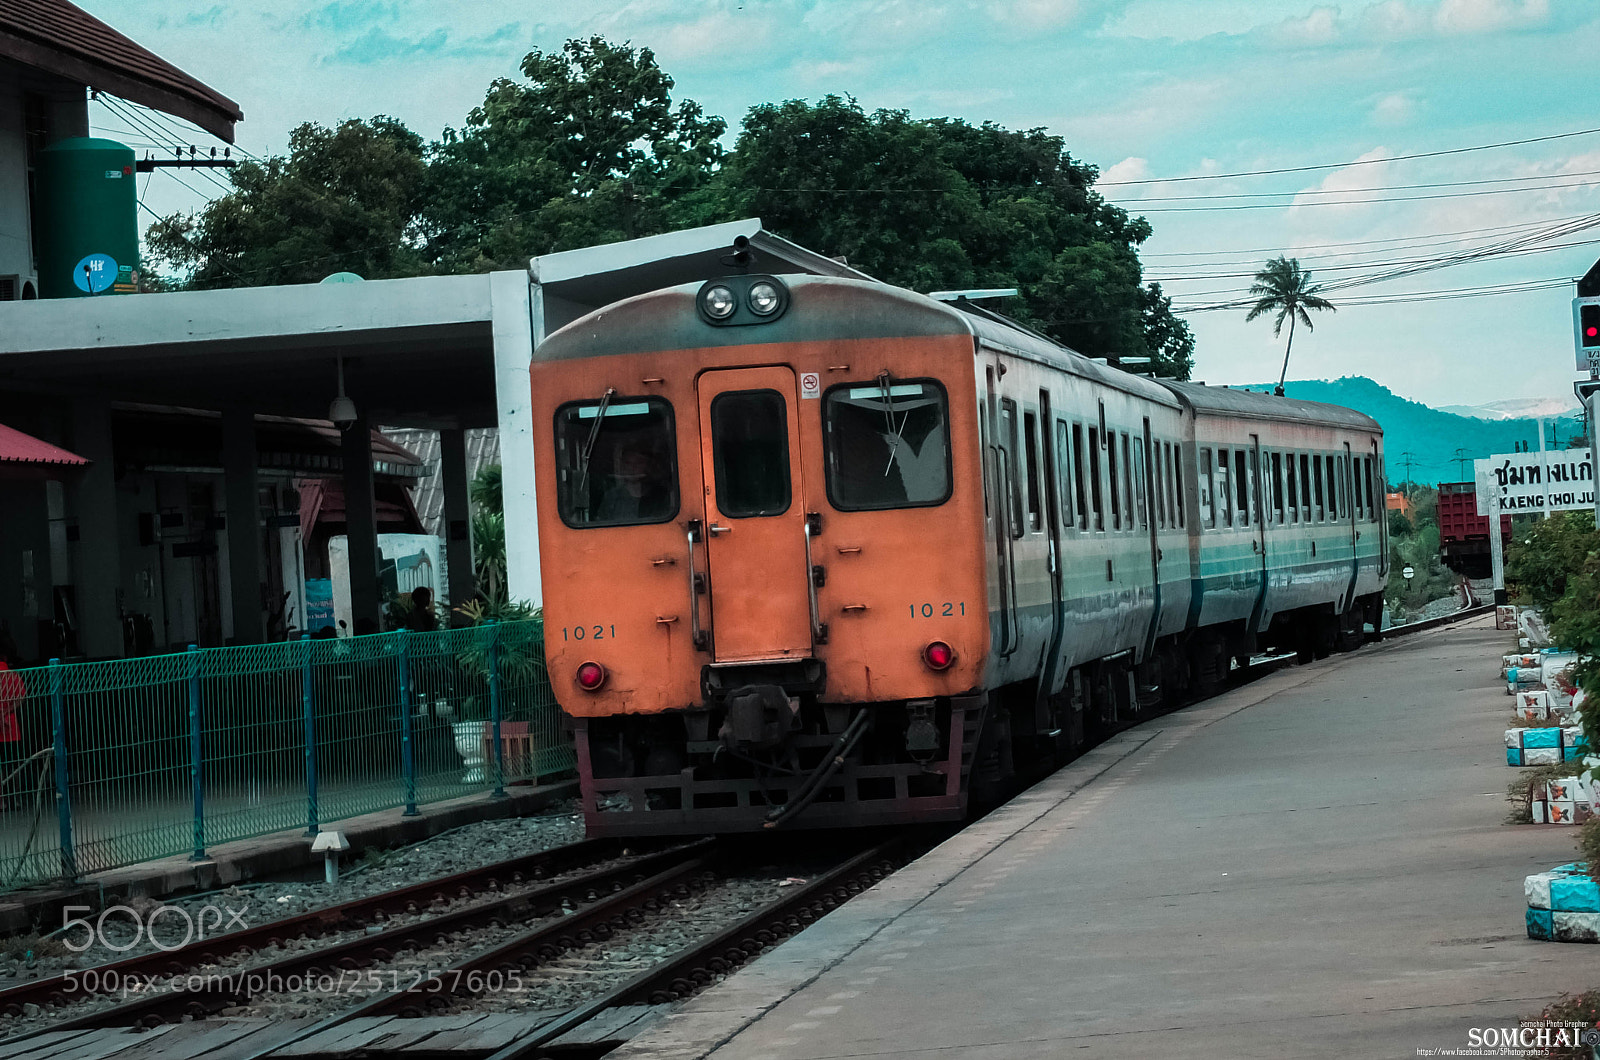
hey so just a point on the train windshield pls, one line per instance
(615, 464)
(888, 445)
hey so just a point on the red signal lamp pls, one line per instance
(938, 655)
(591, 676)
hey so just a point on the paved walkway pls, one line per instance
(1314, 865)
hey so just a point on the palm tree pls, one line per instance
(1282, 287)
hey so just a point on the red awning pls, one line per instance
(19, 448)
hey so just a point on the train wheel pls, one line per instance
(1208, 662)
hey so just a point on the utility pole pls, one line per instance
(1544, 471)
(1462, 459)
(1407, 457)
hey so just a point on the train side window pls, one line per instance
(1159, 474)
(1319, 510)
(1242, 485)
(1064, 474)
(1127, 481)
(1291, 489)
(1343, 490)
(886, 445)
(1305, 488)
(1355, 487)
(1372, 509)
(1175, 459)
(1225, 488)
(1140, 501)
(616, 463)
(1030, 442)
(1277, 487)
(1094, 479)
(1082, 498)
(1208, 507)
(1008, 452)
(1116, 489)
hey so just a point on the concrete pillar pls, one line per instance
(457, 517)
(98, 567)
(361, 527)
(517, 309)
(243, 510)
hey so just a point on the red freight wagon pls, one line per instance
(1463, 533)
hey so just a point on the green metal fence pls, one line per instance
(123, 761)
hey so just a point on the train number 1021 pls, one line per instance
(588, 632)
(945, 610)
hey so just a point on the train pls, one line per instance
(826, 553)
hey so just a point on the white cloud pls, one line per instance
(1477, 16)
(1318, 26)
(1128, 169)
(1396, 108)
(1034, 14)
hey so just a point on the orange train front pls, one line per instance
(820, 552)
(764, 592)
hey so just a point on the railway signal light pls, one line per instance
(1586, 325)
(938, 655)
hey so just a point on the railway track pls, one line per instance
(516, 883)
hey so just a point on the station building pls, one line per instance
(169, 473)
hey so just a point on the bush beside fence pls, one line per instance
(133, 759)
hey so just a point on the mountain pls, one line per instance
(1519, 408)
(1432, 436)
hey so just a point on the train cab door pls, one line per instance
(1256, 485)
(754, 515)
(1380, 509)
(1351, 488)
(1052, 456)
(1149, 481)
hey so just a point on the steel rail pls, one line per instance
(694, 966)
(224, 989)
(526, 950)
(351, 915)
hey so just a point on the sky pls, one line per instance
(1171, 99)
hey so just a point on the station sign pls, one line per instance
(1524, 481)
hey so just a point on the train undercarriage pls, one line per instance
(770, 755)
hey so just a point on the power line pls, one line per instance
(1343, 165)
(1446, 294)
(1374, 263)
(1369, 242)
(1131, 203)
(1351, 202)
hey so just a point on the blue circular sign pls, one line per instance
(95, 273)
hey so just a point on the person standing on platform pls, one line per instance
(422, 619)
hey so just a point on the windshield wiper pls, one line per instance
(894, 439)
(588, 445)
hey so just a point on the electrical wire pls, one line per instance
(1343, 165)
(1129, 203)
(1370, 242)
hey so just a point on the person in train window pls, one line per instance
(636, 490)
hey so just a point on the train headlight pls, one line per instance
(718, 302)
(590, 676)
(764, 299)
(938, 655)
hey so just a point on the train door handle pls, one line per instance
(714, 529)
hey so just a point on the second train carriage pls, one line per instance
(821, 552)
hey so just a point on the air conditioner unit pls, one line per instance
(16, 287)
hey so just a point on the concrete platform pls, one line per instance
(1314, 865)
(279, 854)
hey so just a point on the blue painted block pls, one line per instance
(1541, 737)
(1574, 894)
(1513, 756)
(1569, 753)
(1541, 924)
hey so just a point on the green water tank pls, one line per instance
(87, 237)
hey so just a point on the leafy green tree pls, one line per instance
(1542, 561)
(1282, 287)
(939, 204)
(342, 199)
(585, 151)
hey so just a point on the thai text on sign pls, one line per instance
(1524, 482)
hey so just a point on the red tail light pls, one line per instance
(938, 655)
(591, 675)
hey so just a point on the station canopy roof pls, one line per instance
(22, 455)
(417, 352)
(64, 40)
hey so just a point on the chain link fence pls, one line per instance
(124, 761)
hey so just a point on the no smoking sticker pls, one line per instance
(810, 385)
